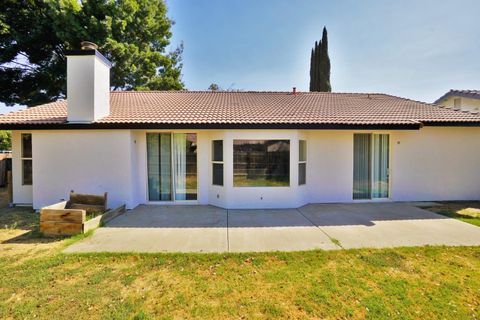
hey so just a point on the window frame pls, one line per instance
(23, 158)
(457, 103)
(218, 162)
(302, 162)
(370, 163)
(173, 198)
(288, 183)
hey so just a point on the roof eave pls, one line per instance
(239, 126)
(451, 123)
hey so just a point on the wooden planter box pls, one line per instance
(57, 220)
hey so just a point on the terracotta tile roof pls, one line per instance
(474, 94)
(187, 107)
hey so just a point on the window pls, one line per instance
(217, 162)
(457, 103)
(261, 163)
(302, 162)
(27, 159)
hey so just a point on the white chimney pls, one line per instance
(88, 84)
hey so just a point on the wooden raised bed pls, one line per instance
(70, 217)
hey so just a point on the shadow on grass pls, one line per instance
(452, 209)
(23, 218)
(31, 237)
(36, 237)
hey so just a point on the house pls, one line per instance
(238, 149)
(463, 100)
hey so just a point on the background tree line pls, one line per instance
(34, 35)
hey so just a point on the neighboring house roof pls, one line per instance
(474, 94)
(189, 109)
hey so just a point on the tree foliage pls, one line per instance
(320, 65)
(5, 140)
(214, 87)
(34, 35)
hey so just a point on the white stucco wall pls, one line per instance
(203, 167)
(139, 167)
(434, 163)
(84, 161)
(329, 166)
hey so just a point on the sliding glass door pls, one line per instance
(172, 166)
(159, 146)
(380, 166)
(362, 177)
(370, 166)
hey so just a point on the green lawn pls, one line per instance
(466, 211)
(242, 181)
(38, 281)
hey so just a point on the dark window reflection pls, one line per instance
(26, 145)
(217, 178)
(261, 163)
(302, 173)
(217, 150)
(27, 172)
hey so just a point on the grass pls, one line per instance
(398, 284)
(18, 218)
(38, 281)
(91, 215)
(336, 242)
(466, 211)
(242, 181)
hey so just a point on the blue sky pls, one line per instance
(417, 49)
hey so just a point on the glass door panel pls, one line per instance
(370, 166)
(172, 166)
(180, 165)
(361, 166)
(380, 166)
(185, 163)
(159, 159)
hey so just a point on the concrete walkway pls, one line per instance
(316, 226)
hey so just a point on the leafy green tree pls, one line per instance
(133, 34)
(5, 140)
(214, 87)
(320, 65)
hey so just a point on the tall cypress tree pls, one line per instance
(312, 70)
(320, 65)
(316, 67)
(325, 64)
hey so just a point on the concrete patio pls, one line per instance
(316, 226)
